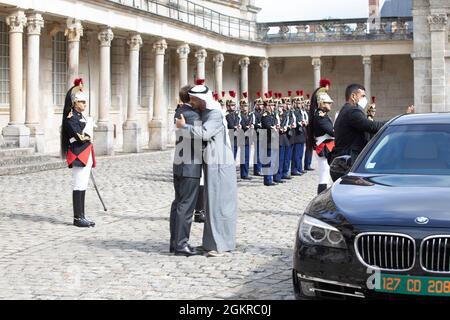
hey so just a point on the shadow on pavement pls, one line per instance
(37, 218)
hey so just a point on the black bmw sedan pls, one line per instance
(383, 228)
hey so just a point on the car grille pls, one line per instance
(386, 251)
(435, 254)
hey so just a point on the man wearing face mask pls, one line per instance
(352, 124)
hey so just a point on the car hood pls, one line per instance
(393, 200)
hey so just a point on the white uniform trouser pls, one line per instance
(323, 168)
(80, 176)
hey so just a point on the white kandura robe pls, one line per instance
(219, 231)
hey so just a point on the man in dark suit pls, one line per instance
(352, 124)
(187, 168)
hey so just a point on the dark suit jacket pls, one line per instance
(350, 128)
(188, 151)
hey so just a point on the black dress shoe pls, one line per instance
(309, 169)
(186, 251)
(280, 181)
(246, 178)
(287, 178)
(270, 184)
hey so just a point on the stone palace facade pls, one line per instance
(134, 55)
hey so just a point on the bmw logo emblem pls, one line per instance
(422, 220)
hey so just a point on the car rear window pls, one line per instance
(410, 149)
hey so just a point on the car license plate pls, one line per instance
(400, 284)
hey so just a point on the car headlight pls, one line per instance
(316, 232)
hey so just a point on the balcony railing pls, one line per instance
(191, 13)
(391, 28)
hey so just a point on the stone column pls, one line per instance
(103, 141)
(218, 64)
(244, 63)
(74, 32)
(264, 64)
(316, 62)
(438, 26)
(183, 52)
(158, 125)
(367, 62)
(131, 129)
(16, 133)
(35, 23)
(201, 55)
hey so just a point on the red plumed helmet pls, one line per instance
(200, 82)
(266, 95)
(77, 81)
(373, 99)
(307, 96)
(258, 94)
(223, 93)
(297, 92)
(270, 93)
(233, 94)
(245, 94)
(301, 92)
(289, 93)
(324, 82)
(216, 96)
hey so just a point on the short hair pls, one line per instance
(184, 93)
(352, 89)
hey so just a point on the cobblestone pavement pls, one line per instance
(42, 256)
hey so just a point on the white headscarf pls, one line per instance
(202, 92)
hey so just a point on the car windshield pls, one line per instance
(410, 149)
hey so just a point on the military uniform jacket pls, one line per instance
(245, 123)
(80, 146)
(267, 122)
(284, 123)
(188, 151)
(300, 130)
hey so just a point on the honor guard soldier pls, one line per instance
(284, 145)
(232, 121)
(268, 133)
(77, 148)
(246, 127)
(322, 134)
(308, 149)
(256, 116)
(371, 112)
(298, 135)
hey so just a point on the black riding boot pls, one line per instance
(321, 188)
(83, 196)
(78, 219)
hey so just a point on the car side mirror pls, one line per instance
(340, 167)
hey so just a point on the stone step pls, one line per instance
(15, 152)
(32, 167)
(26, 159)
